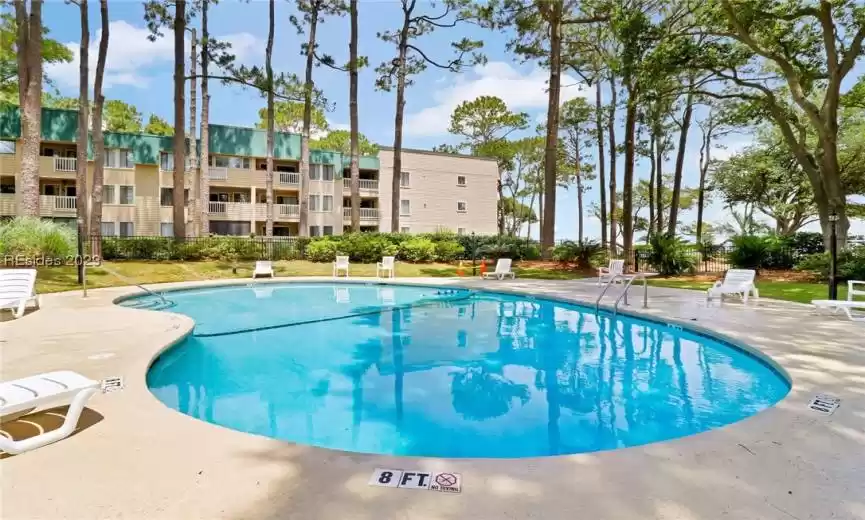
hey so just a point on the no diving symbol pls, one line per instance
(446, 479)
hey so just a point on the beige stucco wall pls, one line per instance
(434, 193)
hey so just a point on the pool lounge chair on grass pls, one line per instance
(736, 281)
(263, 268)
(386, 266)
(17, 290)
(503, 269)
(32, 393)
(616, 268)
(341, 264)
(847, 305)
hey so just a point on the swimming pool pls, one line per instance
(421, 371)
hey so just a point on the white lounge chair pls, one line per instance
(387, 265)
(503, 269)
(31, 393)
(605, 274)
(341, 264)
(17, 290)
(263, 268)
(847, 305)
(736, 281)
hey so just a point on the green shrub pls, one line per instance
(322, 250)
(851, 264)
(34, 237)
(749, 251)
(805, 243)
(583, 254)
(448, 250)
(418, 250)
(365, 247)
(669, 255)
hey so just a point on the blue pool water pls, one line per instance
(408, 371)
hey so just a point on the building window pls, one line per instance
(166, 229)
(404, 229)
(461, 206)
(107, 229)
(314, 231)
(327, 203)
(241, 197)
(7, 185)
(226, 161)
(321, 172)
(7, 147)
(127, 229)
(119, 158)
(127, 195)
(405, 180)
(405, 207)
(108, 194)
(461, 180)
(313, 202)
(461, 231)
(166, 197)
(327, 230)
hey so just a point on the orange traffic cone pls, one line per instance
(460, 269)
(483, 267)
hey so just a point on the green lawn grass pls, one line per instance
(56, 279)
(791, 291)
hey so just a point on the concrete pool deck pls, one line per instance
(135, 458)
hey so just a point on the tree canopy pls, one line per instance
(158, 126)
(340, 140)
(52, 52)
(288, 117)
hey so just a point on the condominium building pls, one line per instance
(437, 191)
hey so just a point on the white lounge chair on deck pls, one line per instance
(387, 265)
(503, 269)
(341, 264)
(605, 274)
(30, 393)
(847, 305)
(736, 281)
(17, 290)
(263, 268)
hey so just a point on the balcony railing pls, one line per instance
(288, 178)
(65, 164)
(217, 173)
(365, 213)
(216, 207)
(287, 210)
(363, 184)
(64, 203)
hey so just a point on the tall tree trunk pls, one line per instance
(308, 87)
(551, 147)
(268, 178)
(705, 159)
(660, 144)
(602, 180)
(204, 163)
(611, 130)
(680, 161)
(540, 213)
(500, 207)
(96, 129)
(579, 209)
(652, 141)
(29, 41)
(354, 168)
(193, 211)
(179, 116)
(398, 120)
(628, 180)
(83, 134)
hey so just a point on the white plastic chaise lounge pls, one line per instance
(616, 268)
(847, 305)
(503, 269)
(263, 268)
(737, 281)
(17, 290)
(341, 264)
(31, 393)
(387, 265)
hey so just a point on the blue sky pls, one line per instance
(140, 72)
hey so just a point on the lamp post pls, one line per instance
(833, 256)
(474, 243)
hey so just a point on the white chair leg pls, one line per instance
(69, 424)
(22, 306)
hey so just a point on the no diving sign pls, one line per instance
(443, 481)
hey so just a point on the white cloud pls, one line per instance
(519, 90)
(132, 59)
